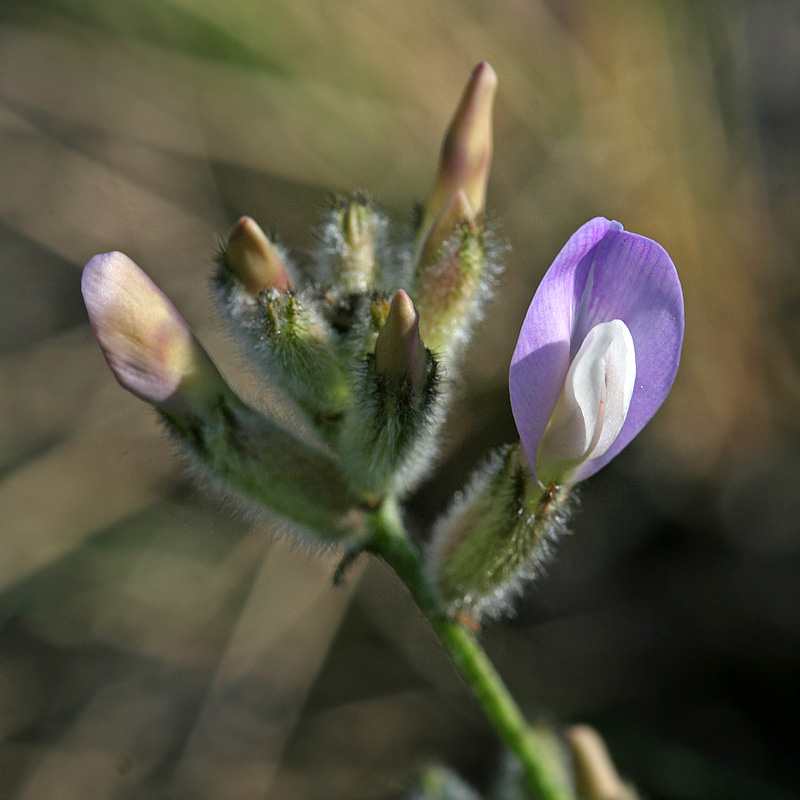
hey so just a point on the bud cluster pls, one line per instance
(365, 358)
(363, 341)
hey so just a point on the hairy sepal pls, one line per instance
(257, 460)
(451, 291)
(287, 335)
(389, 436)
(495, 537)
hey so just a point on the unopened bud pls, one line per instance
(254, 260)
(467, 149)
(596, 778)
(388, 438)
(148, 345)
(353, 246)
(153, 354)
(400, 354)
(455, 213)
(297, 348)
(449, 291)
(495, 536)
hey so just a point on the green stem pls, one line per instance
(389, 540)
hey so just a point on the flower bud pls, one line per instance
(388, 436)
(467, 149)
(148, 345)
(292, 339)
(253, 260)
(153, 353)
(450, 290)
(495, 536)
(596, 778)
(456, 212)
(286, 333)
(399, 352)
(353, 246)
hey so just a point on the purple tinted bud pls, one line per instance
(148, 345)
(598, 351)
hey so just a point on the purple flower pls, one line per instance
(598, 351)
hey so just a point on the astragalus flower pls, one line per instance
(598, 351)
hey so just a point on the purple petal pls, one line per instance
(542, 356)
(603, 273)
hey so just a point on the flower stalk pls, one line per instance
(388, 539)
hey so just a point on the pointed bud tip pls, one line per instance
(399, 351)
(356, 219)
(402, 310)
(354, 244)
(147, 344)
(484, 76)
(254, 259)
(467, 148)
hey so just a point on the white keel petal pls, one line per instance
(594, 402)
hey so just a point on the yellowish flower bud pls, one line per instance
(254, 260)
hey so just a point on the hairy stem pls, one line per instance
(389, 540)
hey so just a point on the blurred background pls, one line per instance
(155, 645)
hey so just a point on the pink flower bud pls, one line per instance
(148, 345)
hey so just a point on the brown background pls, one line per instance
(152, 644)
